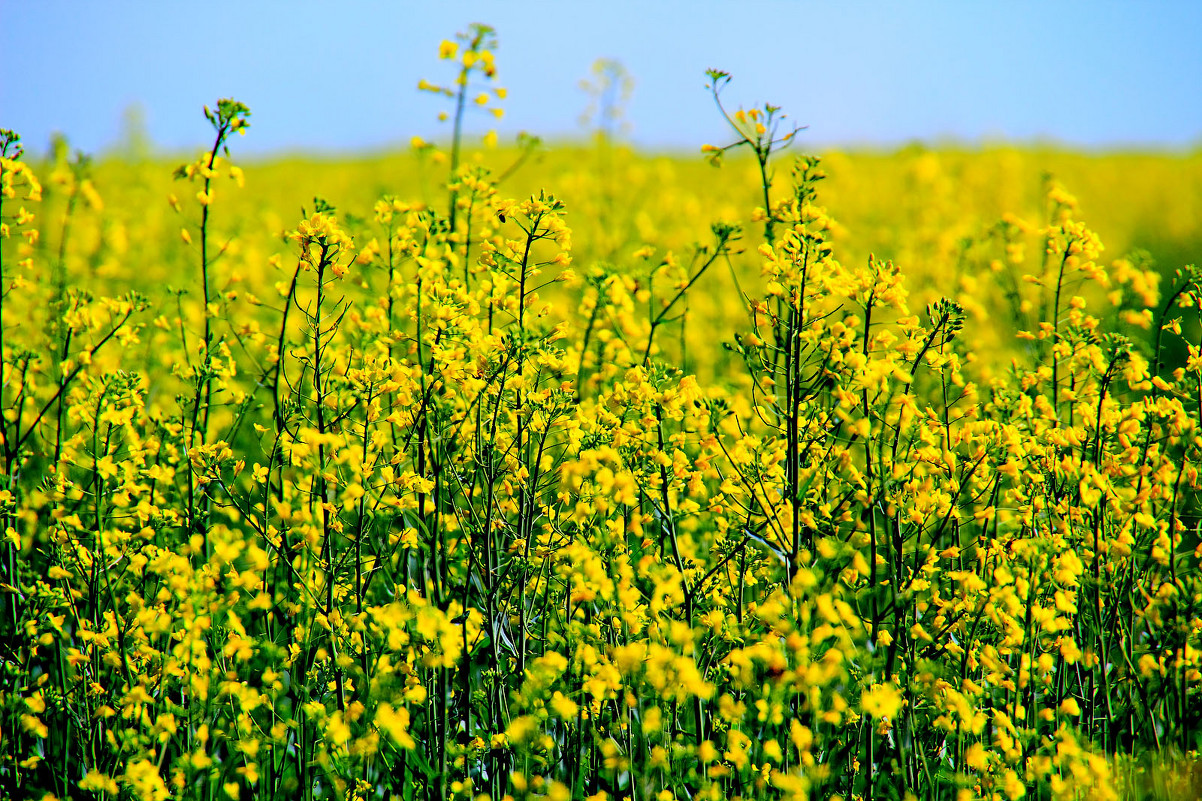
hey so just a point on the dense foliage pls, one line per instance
(415, 503)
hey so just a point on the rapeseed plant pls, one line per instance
(400, 506)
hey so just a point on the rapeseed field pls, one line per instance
(487, 471)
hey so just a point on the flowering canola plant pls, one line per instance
(406, 504)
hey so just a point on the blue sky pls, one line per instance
(325, 76)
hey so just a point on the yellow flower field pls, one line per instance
(517, 472)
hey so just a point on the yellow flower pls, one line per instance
(564, 707)
(34, 726)
(881, 701)
(98, 782)
(395, 723)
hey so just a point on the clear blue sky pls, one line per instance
(330, 76)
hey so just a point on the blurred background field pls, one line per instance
(925, 208)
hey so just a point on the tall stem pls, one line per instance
(456, 136)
